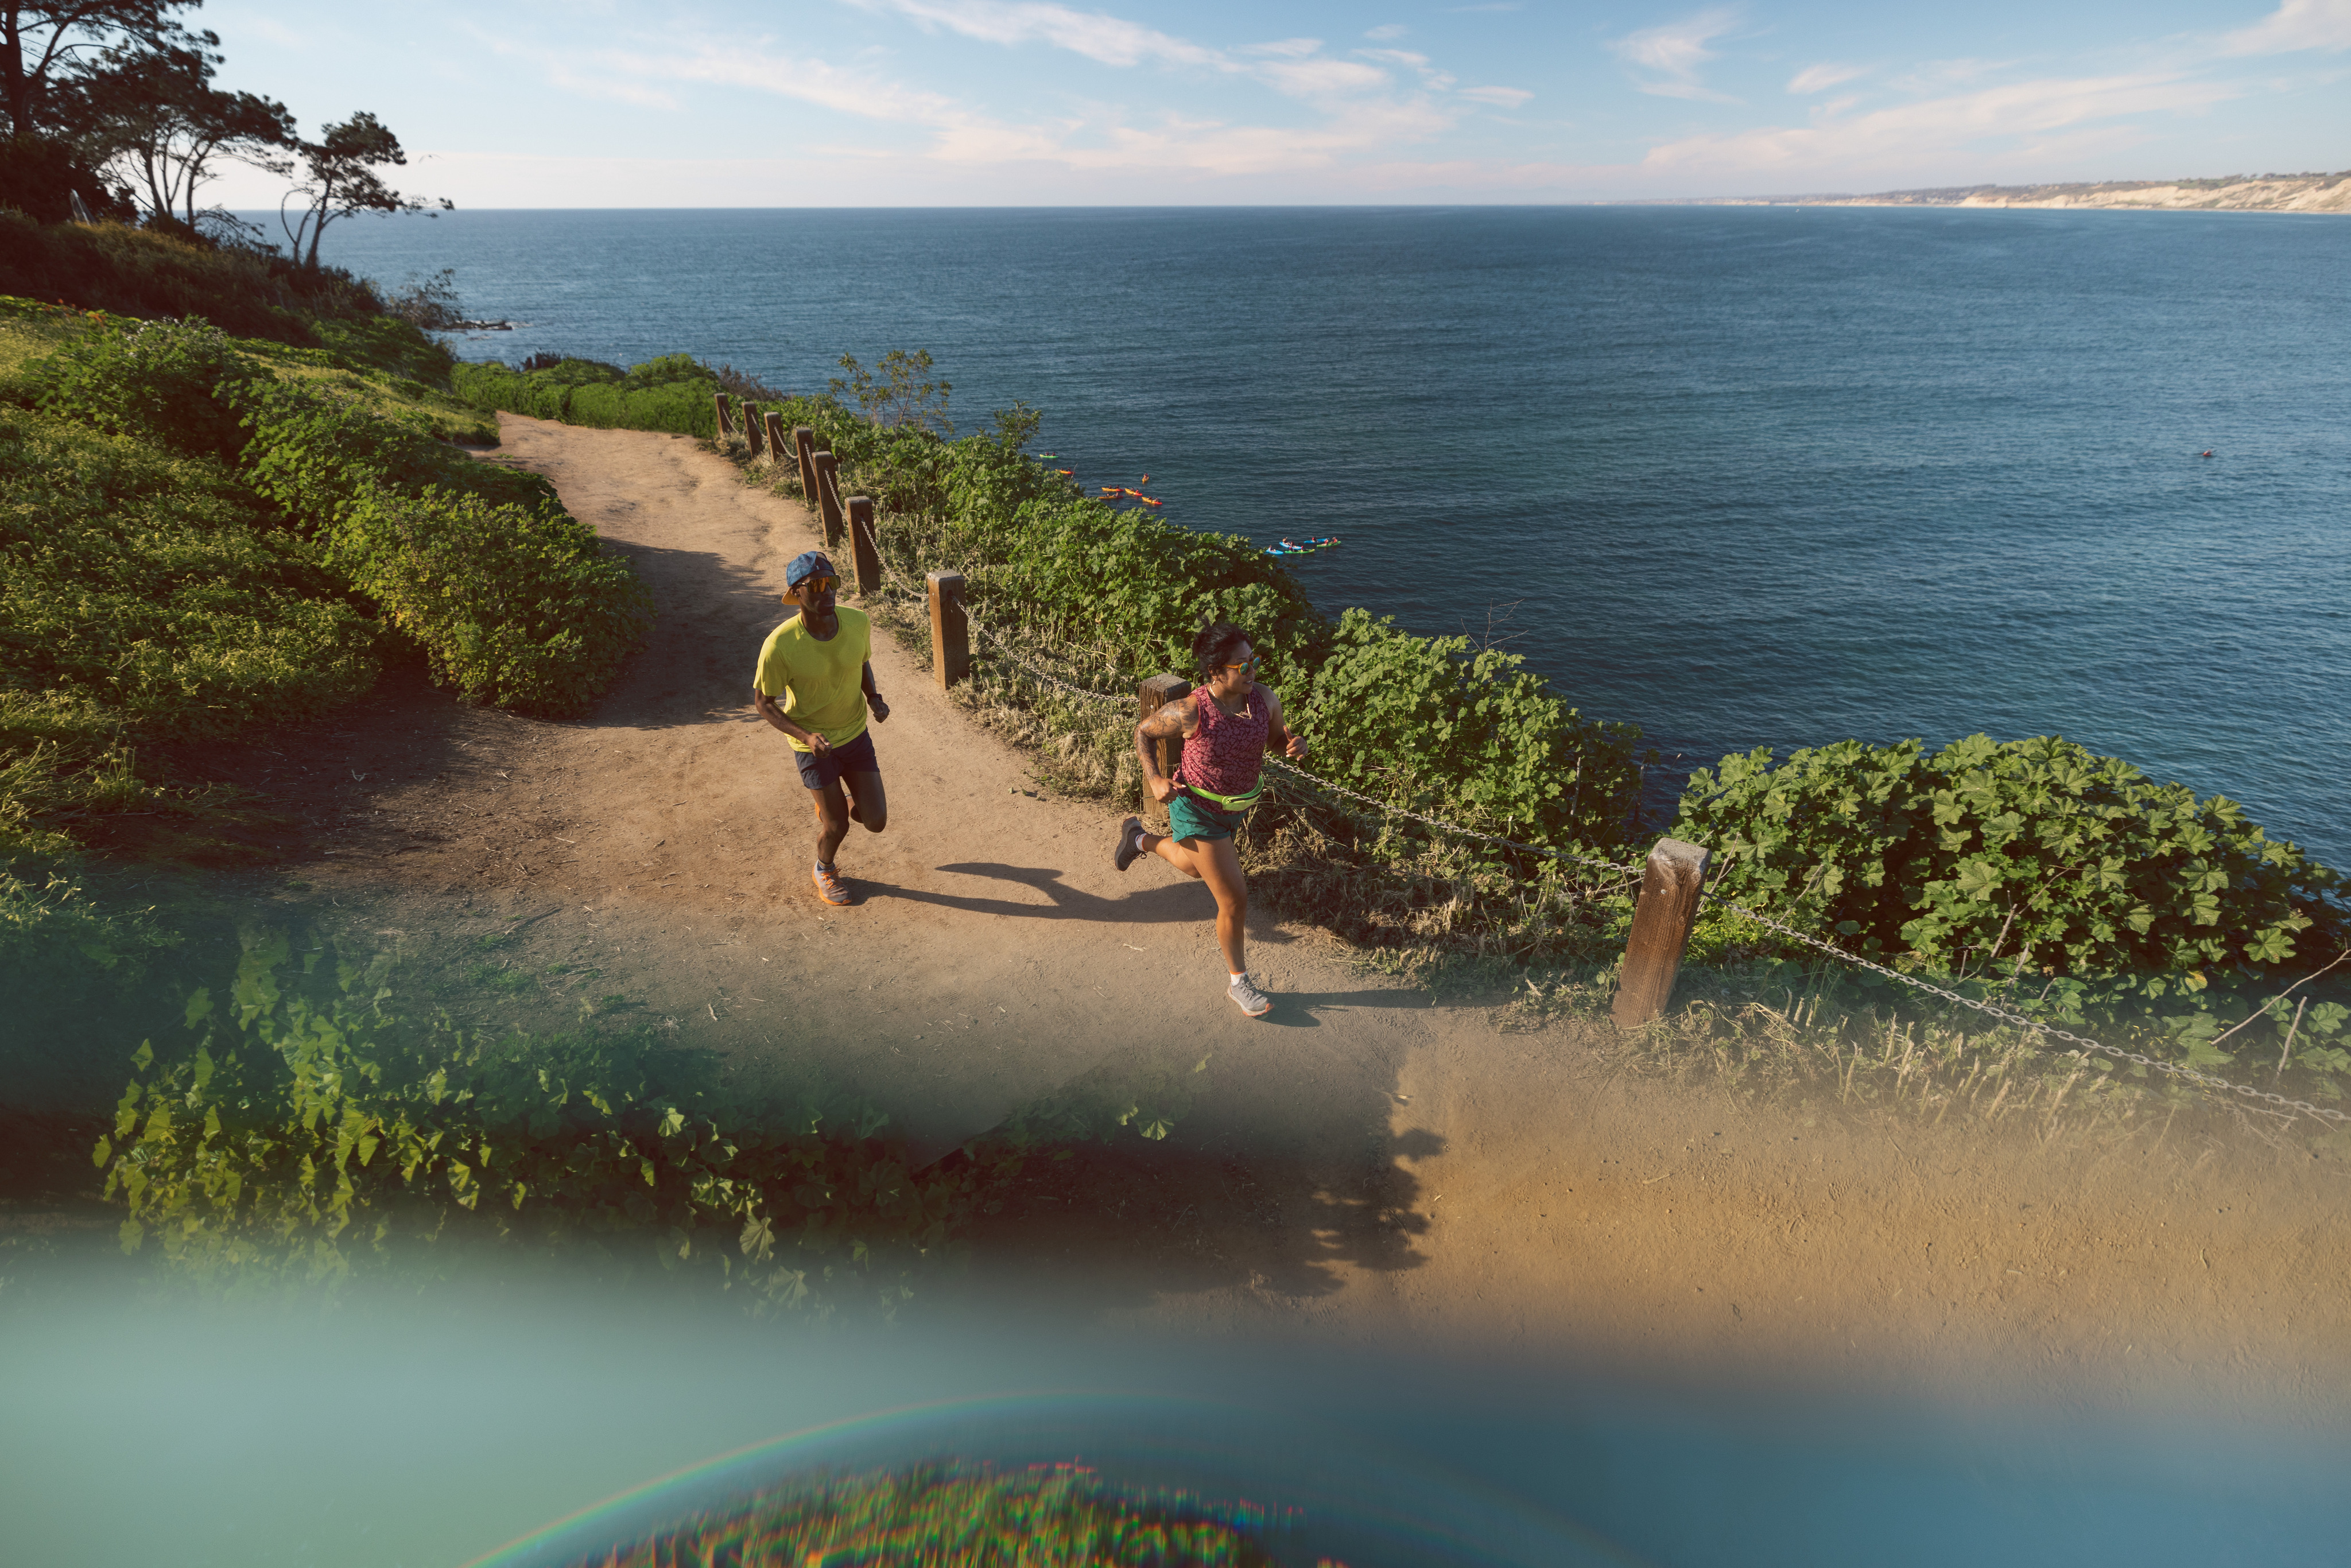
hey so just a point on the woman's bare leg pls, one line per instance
(1218, 864)
(1220, 868)
(1174, 854)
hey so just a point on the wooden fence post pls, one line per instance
(950, 631)
(775, 424)
(725, 418)
(1155, 694)
(862, 546)
(751, 429)
(828, 498)
(1670, 884)
(804, 447)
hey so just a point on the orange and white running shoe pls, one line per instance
(829, 885)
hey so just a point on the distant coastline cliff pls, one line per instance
(2231, 192)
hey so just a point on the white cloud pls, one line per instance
(1290, 48)
(1107, 40)
(1902, 137)
(1665, 60)
(1388, 32)
(815, 82)
(2294, 25)
(1820, 78)
(1354, 118)
(1320, 79)
(1500, 97)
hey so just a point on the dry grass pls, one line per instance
(1808, 1041)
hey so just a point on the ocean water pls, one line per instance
(1744, 477)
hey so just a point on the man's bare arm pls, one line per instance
(765, 705)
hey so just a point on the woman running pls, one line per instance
(1226, 725)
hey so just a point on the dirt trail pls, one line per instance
(1363, 1164)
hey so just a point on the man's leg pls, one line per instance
(872, 806)
(831, 820)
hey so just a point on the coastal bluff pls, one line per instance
(2228, 194)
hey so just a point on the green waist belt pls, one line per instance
(1230, 802)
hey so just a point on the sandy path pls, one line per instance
(1363, 1164)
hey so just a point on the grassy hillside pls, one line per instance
(228, 491)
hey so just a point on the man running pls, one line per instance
(1226, 724)
(818, 664)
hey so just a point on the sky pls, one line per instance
(670, 103)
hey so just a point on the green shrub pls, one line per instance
(387, 343)
(145, 600)
(310, 1132)
(2035, 857)
(1437, 725)
(178, 383)
(513, 603)
(671, 393)
(320, 456)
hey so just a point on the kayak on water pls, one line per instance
(1301, 546)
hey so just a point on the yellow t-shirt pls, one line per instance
(820, 684)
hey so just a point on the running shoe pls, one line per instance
(1248, 998)
(829, 885)
(1130, 844)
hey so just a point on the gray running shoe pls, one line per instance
(1248, 998)
(1130, 842)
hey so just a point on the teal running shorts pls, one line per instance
(1190, 818)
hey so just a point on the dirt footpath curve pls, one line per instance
(1363, 1165)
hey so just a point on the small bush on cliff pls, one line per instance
(2034, 857)
(146, 600)
(516, 604)
(671, 393)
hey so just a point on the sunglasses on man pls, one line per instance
(820, 584)
(1245, 667)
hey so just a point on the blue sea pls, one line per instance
(1742, 475)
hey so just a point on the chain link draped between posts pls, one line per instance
(2204, 1080)
(2186, 1075)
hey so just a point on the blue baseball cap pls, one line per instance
(807, 564)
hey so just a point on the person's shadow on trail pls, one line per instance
(1278, 1186)
(1166, 903)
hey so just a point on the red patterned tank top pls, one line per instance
(1227, 752)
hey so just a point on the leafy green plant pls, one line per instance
(1438, 725)
(173, 382)
(310, 1132)
(320, 456)
(672, 392)
(2034, 867)
(893, 392)
(146, 600)
(1048, 1516)
(515, 604)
